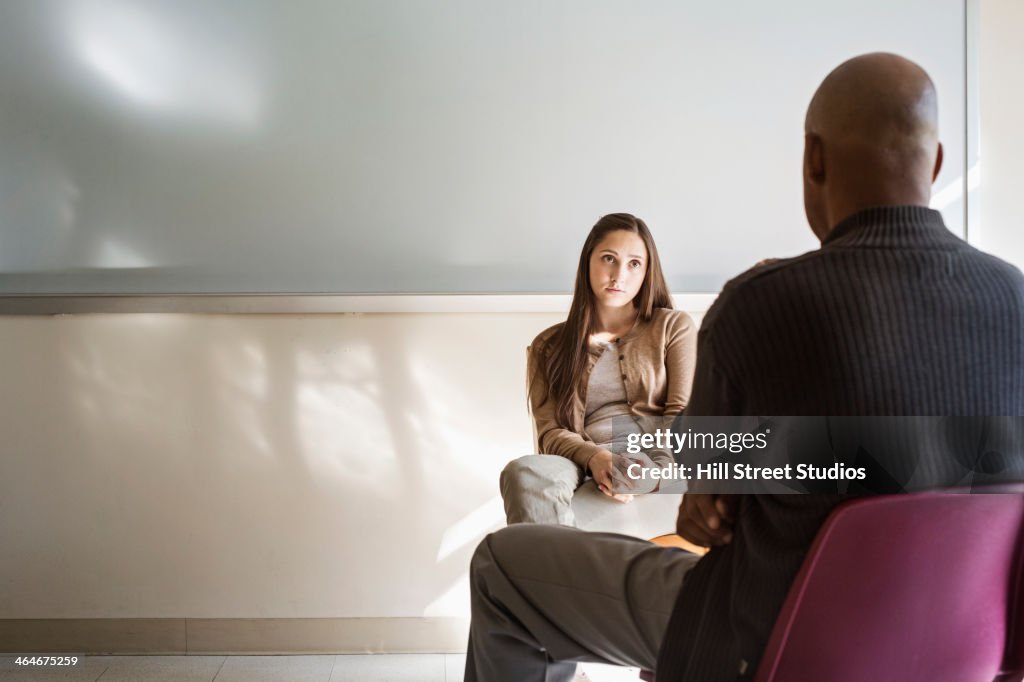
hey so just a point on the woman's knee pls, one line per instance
(532, 471)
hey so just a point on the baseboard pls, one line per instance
(181, 636)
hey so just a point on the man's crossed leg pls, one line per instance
(546, 597)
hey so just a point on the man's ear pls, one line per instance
(938, 163)
(814, 158)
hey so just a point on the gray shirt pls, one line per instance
(606, 399)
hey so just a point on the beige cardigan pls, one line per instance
(657, 359)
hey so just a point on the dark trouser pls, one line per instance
(545, 597)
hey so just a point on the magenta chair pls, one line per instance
(906, 587)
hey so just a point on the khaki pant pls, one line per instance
(539, 489)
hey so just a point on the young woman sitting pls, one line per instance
(622, 351)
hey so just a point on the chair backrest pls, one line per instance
(529, 404)
(1013, 659)
(906, 587)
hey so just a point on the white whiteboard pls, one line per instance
(409, 146)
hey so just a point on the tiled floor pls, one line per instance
(352, 668)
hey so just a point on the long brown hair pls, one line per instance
(565, 354)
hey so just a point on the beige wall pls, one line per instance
(253, 466)
(1000, 56)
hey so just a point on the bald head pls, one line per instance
(871, 139)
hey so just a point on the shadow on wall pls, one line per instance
(259, 466)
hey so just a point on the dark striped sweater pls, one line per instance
(893, 315)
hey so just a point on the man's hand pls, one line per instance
(602, 468)
(706, 520)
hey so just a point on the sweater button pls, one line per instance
(623, 376)
(622, 357)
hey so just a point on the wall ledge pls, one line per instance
(83, 304)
